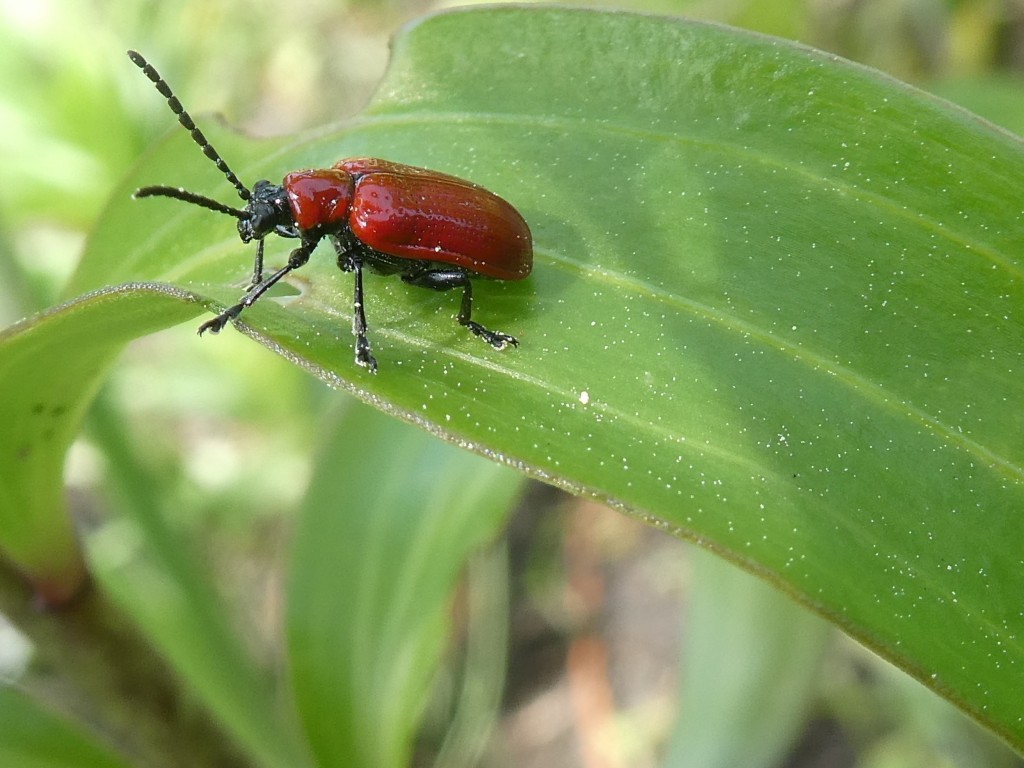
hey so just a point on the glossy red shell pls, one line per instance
(319, 198)
(414, 213)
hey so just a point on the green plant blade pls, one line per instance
(749, 670)
(373, 566)
(50, 367)
(776, 307)
(31, 737)
(148, 569)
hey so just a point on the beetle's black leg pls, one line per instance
(297, 258)
(348, 261)
(257, 267)
(363, 356)
(443, 280)
(496, 339)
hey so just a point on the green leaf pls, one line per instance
(50, 367)
(750, 665)
(995, 97)
(373, 565)
(147, 568)
(777, 307)
(31, 737)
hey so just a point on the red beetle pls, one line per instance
(434, 230)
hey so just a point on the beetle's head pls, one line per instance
(266, 205)
(266, 211)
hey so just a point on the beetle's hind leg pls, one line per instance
(443, 280)
(496, 339)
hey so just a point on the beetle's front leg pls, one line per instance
(445, 279)
(257, 266)
(297, 258)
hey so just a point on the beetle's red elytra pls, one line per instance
(433, 230)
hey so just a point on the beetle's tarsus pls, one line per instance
(363, 356)
(217, 324)
(496, 339)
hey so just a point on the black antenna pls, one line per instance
(197, 136)
(190, 197)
